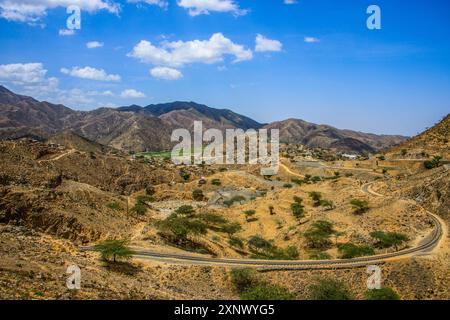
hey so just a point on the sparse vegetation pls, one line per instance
(114, 206)
(384, 293)
(434, 163)
(361, 206)
(248, 214)
(329, 289)
(350, 251)
(316, 198)
(115, 249)
(263, 249)
(231, 228)
(236, 242)
(216, 182)
(319, 234)
(233, 200)
(250, 288)
(287, 185)
(185, 210)
(180, 228)
(388, 239)
(297, 210)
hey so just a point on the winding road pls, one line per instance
(425, 246)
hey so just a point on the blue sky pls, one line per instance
(315, 59)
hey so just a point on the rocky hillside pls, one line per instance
(324, 136)
(435, 141)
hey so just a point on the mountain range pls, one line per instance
(136, 128)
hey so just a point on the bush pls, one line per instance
(116, 249)
(431, 164)
(316, 179)
(328, 289)
(231, 228)
(319, 234)
(216, 182)
(388, 239)
(298, 181)
(212, 218)
(197, 195)
(316, 197)
(143, 199)
(139, 209)
(350, 251)
(298, 200)
(266, 291)
(327, 204)
(319, 255)
(287, 185)
(236, 242)
(185, 210)
(271, 210)
(259, 243)
(384, 293)
(361, 206)
(114, 206)
(243, 278)
(150, 190)
(249, 213)
(181, 227)
(297, 210)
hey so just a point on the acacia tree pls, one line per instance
(361, 206)
(115, 249)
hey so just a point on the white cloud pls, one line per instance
(90, 73)
(179, 53)
(160, 3)
(31, 11)
(311, 40)
(198, 7)
(94, 44)
(290, 1)
(166, 73)
(131, 93)
(264, 44)
(66, 32)
(31, 77)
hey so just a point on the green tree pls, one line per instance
(388, 239)
(350, 251)
(243, 278)
(316, 197)
(327, 204)
(384, 293)
(431, 164)
(231, 228)
(319, 234)
(297, 210)
(361, 206)
(249, 213)
(185, 210)
(329, 289)
(115, 249)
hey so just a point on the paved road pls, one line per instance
(426, 245)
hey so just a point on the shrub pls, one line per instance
(431, 164)
(249, 213)
(216, 182)
(143, 199)
(298, 200)
(181, 227)
(243, 278)
(361, 206)
(327, 204)
(139, 209)
(185, 210)
(259, 243)
(287, 185)
(297, 210)
(319, 234)
(384, 293)
(316, 197)
(231, 228)
(114, 206)
(266, 291)
(197, 195)
(185, 175)
(350, 251)
(236, 242)
(116, 249)
(316, 179)
(297, 181)
(328, 289)
(212, 218)
(271, 210)
(388, 239)
(319, 255)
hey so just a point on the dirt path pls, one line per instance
(58, 156)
